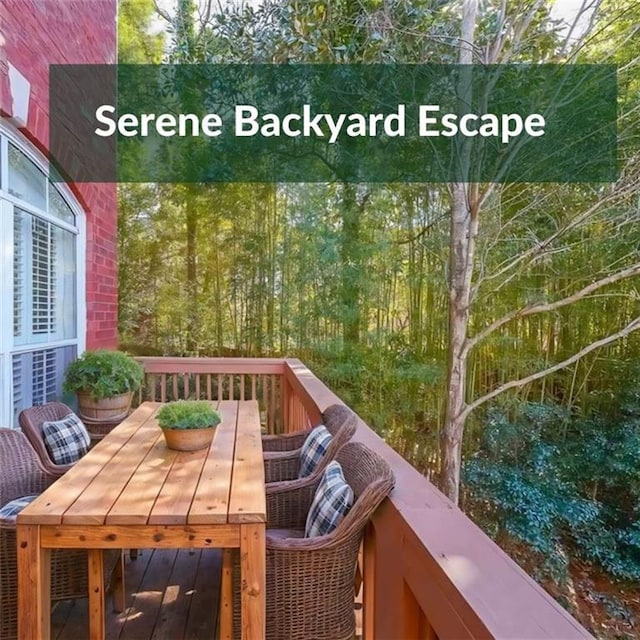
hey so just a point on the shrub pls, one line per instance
(103, 373)
(562, 485)
(187, 414)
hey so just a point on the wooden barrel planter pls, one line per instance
(111, 409)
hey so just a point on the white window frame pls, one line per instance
(8, 133)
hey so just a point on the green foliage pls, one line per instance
(137, 44)
(187, 414)
(354, 282)
(563, 485)
(103, 373)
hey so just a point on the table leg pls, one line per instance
(96, 594)
(34, 585)
(253, 580)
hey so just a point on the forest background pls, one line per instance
(509, 363)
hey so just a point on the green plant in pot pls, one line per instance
(104, 382)
(188, 425)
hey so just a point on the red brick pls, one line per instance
(46, 32)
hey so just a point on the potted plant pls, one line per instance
(104, 382)
(188, 425)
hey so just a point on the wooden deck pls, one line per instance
(171, 595)
(428, 570)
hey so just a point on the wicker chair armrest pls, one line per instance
(281, 465)
(58, 470)
(286, 442)
(38, 479)
(302, 545)
(23, 473)
(288, 503)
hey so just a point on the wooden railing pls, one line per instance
(429, 572)
(218, 379)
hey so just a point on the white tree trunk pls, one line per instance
(463, 232)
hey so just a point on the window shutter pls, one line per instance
(38, 376)
(18, 385)
(43, 277)
(18, 273)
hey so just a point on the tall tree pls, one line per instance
(466, 276)
(462, 241)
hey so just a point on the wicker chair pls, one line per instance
(31, 421)
(22, 474)
(284, 464)
(310, 581)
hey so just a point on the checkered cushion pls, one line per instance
(67, 440)
(10, 510)
(313, 449)
(331, 503)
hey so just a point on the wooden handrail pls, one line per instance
(154, 364)
(429, 571)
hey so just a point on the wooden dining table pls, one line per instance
(131, 491)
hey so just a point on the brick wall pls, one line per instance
(33, 35)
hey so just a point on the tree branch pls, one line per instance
(424, 230)
(516, 384)
(542, 307)
(162, 13)
(620, 191)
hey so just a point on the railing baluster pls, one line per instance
(265, 403)
(185, 386)
(176, 395)
(209, 395)
(242, 386)
(163, 387)
(272, 405)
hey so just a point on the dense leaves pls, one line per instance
(103, 373)
(564, 485)
(187, 414)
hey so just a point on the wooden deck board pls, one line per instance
(171, 622)
(170, 594)
(203, 617)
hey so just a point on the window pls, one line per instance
(44, 280)
(41, 235)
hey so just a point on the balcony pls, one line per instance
(428, 571)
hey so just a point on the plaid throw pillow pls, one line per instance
(67, 440)
(331, 503)
(10, 510)
(314, 447)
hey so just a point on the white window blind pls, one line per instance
(18, 275)
(18, 384)
(44, 281)
(42, 277)
(38, 375)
